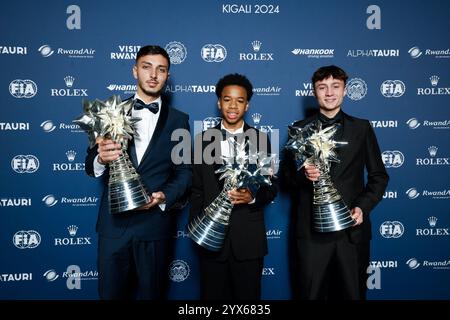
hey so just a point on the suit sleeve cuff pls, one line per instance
(99, 168)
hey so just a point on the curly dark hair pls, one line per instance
(237, 80)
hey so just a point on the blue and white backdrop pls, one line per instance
(55, 53)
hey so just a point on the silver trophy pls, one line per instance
(312, 145)
(110, 119)
(245, 169)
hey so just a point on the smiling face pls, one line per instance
(151, 73)
(233, 104)
(330, 93)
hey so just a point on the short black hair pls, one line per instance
(235, 79)
(329, 71)
(153, 50)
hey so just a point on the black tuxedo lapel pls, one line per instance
(347, 133)
(131, 147)
(158, 130)
(132, 153)
(216, 165)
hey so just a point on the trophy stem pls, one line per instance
(126, 191)
(209, 229)
(329, 209)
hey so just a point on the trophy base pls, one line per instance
(207, 233)
(332, 217)
(127, 195)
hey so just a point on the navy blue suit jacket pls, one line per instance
(158, 173)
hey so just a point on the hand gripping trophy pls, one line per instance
(245, 170)
(312, 145)
(110, 119)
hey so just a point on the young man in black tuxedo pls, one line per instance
(334, 264)
(134, 247)
(235, 271)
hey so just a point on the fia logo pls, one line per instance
(211, 122)
(392, 88)
(392, 159)
(26, 239)
(23, 88)
(392, 229)
(213, 53)
(25, 163)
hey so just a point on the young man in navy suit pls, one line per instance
(334, 264)
(235, 271)
(134, 247)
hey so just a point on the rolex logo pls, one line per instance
(256, 45)
(69, 81)
(432, 151)
(72, 230)
(256, 117)
(434, 80)
(432, 221)
(71, 155)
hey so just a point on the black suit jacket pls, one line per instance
(246, 235)
(158, 173)
(361, 153)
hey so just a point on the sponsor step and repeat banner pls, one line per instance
(56, 53)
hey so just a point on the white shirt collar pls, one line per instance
(239, 130)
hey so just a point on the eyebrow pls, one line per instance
(334, 82)
(229, 96)
(158, 66)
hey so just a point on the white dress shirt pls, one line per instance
(227, 150)
(144, 128)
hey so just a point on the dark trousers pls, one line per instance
(132, 269)
(230, 279)
(363, 262)
(330, 267)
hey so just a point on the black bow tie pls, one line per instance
(139, 105)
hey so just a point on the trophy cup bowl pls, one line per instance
(209, 229)
(242, 170)
(110, 119)
(330, 213)
(314, 145)
(126, 190)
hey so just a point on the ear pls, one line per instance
(135, 72)
(246, 106)
(218, 104)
